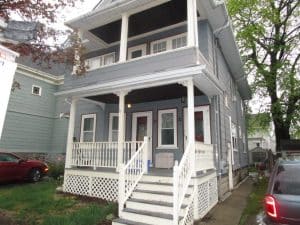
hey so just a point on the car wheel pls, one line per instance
(35, 175)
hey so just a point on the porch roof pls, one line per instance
(205, 82)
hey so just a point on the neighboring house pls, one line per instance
(158, 121)
(33, 126)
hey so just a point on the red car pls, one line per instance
(13, 168)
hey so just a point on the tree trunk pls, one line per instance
(281, 133)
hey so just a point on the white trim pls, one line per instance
(40, 75)
(231, 144)
(206, 123)
(101, 104)
(82, 125)
(142, 47)
(111, 115)
(168, 41)
(150, 80)
(36, 86)
(148, 114)
(174, 112)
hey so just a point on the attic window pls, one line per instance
(36, 90)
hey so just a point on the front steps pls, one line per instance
(151, 203)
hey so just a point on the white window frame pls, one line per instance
(234, 136)
(100, 60)
(110, 130)
(226, 100)
(168, 40)
(160, 113)
(86, 116)
(244, 143)
(40, 90)
(142, 47)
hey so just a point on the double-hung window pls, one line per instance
(113, 127)
(99, 61)
(88, 128)
(169, 43)
(167, 128)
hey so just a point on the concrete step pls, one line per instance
(142, 216)
(153, 206)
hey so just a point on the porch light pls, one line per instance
(129, 106)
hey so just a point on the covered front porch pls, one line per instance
(153, 117)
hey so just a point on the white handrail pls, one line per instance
(182, 175)
(131, 173)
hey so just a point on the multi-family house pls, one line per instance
(157, 123)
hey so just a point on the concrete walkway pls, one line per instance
(229, 212)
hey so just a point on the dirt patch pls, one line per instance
(5, 218)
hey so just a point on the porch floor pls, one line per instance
(152, 172)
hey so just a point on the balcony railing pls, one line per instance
(102, 154)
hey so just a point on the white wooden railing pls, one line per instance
(204, 156)
(188, 218)
(101, 154)
(182, 175)
(131, 173)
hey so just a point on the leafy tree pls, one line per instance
(268, 37)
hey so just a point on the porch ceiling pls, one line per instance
(167, 14)
(165, 92)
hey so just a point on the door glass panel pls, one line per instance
(88, 136)
(199, 134)
(141, 128)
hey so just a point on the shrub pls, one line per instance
(56, 170)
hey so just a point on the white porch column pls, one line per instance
(71, 133)
(192, 23)
(191, 120)
(121, 133)
(124, 38)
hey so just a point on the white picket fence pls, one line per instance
(101, 154)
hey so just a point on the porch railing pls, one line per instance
(204, 156)
(101, 154)
(182, 175)
(131, 173)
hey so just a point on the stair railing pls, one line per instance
(182, 175)
(131, 173)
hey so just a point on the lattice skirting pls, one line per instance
(92, 184)
(206, 195)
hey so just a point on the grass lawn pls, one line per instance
(38, 204)
(255, 201)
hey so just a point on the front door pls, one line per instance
(141, 127)
(202, 125)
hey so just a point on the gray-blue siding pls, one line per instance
(31, 123)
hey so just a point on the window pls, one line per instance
(88, 128)
(113, 127)
(159, 47)
(8, 158)
(234, 137)
(36, 90)
(226, 102)
(108, 59)
(240, 132)
(167, 128)
(169, 43)
(99, 61)
(179, 42)
(137, 51)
